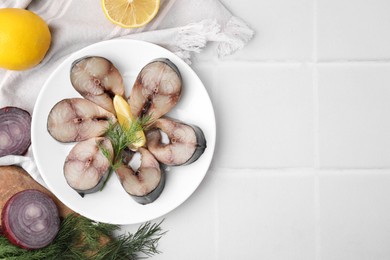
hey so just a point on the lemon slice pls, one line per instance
(130, 13)
(125, 119)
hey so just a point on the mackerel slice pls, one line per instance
(144, 184)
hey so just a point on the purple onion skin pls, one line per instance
(15, 131)
(30, 219)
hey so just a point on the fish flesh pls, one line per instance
(98, 80)
(77, 119)
(144, 184)
(86, 167)
(186, 142)
(156, 90)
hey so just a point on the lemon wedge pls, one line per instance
(130, 13)
(126, 118)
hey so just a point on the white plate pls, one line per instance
(113, 204)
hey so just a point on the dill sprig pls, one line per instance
(83, 239)
(122, 137)
(128, 246)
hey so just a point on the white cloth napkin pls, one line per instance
(182, 26)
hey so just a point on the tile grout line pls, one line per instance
(217, 226)
(213, 90)
(294, 169)
(316, 107)
(316, 97)
(317, 164)
(300, 62)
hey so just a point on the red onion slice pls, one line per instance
(30, 219)
(15, 131)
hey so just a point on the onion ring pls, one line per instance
(30, 219)
(15, 131)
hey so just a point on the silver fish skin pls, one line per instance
(144, 184)
(186, 142)
(77, 119)
(98, 80)
(86, 168)
(157, 89)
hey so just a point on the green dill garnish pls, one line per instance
(122, 137)
(81, 238)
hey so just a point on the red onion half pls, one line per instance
(30, 219)
(15, 131)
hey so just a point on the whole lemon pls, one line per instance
(24, 39)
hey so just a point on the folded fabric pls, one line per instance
(182, 26)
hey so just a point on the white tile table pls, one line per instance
(302, 162)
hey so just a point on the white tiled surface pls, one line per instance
(267, 115)
(353, 30)
(266, 215)
(354, 122)
(355, 213)
(302, 162)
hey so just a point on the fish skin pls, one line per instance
(157, 89)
